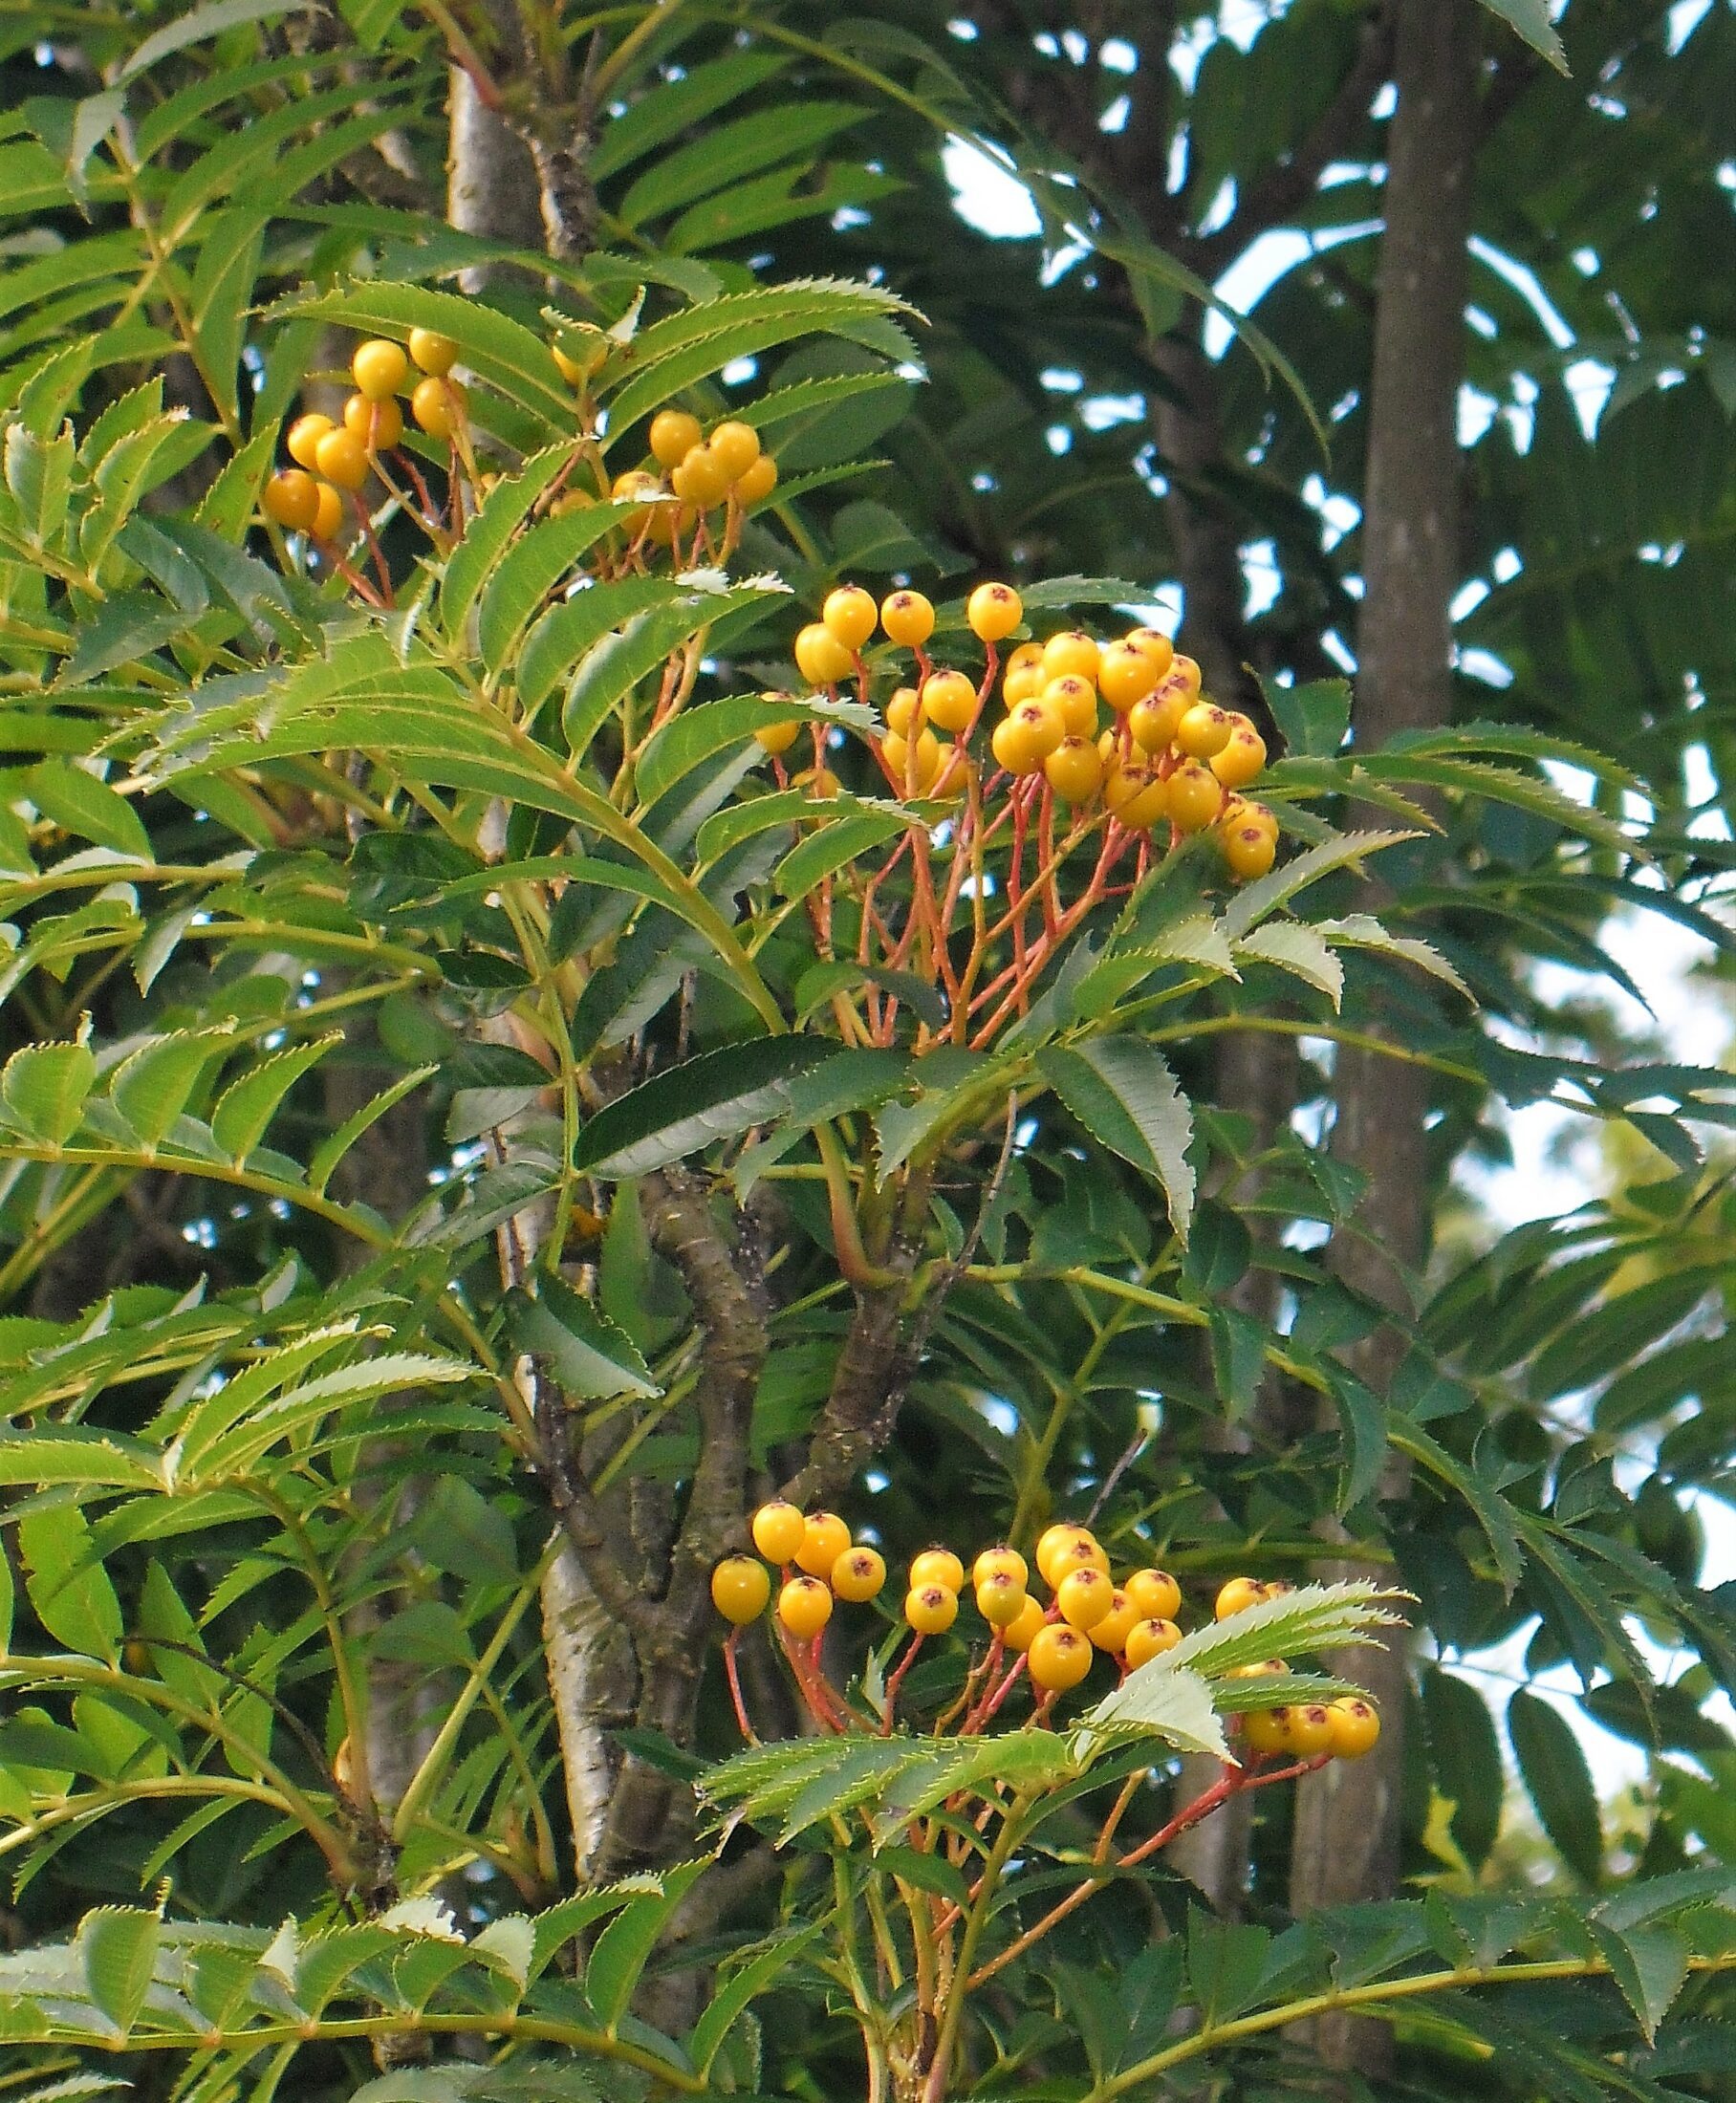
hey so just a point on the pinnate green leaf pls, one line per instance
(1122, 1092)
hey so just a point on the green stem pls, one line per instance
(975, 1925)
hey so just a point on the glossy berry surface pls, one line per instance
(1059, 1658)
(741, 1587)
(824, 1539)
(777, 1530)
(804, 1606)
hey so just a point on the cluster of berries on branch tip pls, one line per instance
(1046, 1627)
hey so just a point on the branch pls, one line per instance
(868, 1386)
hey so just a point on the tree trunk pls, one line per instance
(1347, 1817)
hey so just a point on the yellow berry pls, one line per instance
(1266, 1730)
(820, 782)
(993, 611)
(1243, 755)
(937, 1566)
(1001, 1597)
(1054, 1541)
(1000, 1562)
(903, 711)
(949, 699)
(824, 1539)
(303, 441)
(1195, 796)
(1126, 674)
(777, 1530)
(1081, 1552)
(1059, 1658)
(1020, 1633)
(1155, 1592)
(1354, 1726)
(1023, 683)
(849, 614)
(1110, 1632)
(931, 1609)
(591, 359)
(1237, 1597)
(328, 519)
(758, 483)
(1074, 699)
(736, 445)
(1154, 720)
(1070, 654)
(858, 1573)
(1154, 644)
(700, 478)
(1136, 796)
(1084, 1598)
(1149, 1639)
(341, 458)
(378, 424)
(1025, 739)
(1257, 814)
(438, 406)
(674, 434)
(1028, 657)
(1075, 771)
(1268, 1668)
(1204, 731)
(820, 656)
(804, 1606)
(907, 618)
(1184, 673)
(1307, 1729)
(741, 1585)
(775, 738)
(914, 768)
(292, 497)
(431, 353)
(1248, 852)
(379, 369)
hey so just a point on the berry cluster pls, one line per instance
(1080, 1614)
(1062, 811)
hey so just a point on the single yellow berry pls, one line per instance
(1137, 797)
(916, 768)
(775, 738)
(737, 445)
(993, 611)
(1126, 674)
(1001, 1597)
(1112, 1631)
(292, 497)
(1248, 852)
(741, 1586)
(1023, 683)
(1184, 673)
(1154, 644)
(1243, 755)
(1155, 1592)
(1075, 701)
(1237, 1597)
(1154, 720)
(757, 483)
(1307, 1729)
(949, 699)
(804, 1606)
(1059, 1658)
(674, 434)
(1204, 731)
(1075, 771)
(1266, 1730)
(821, 783)
(1268, 1668)
(1354, 1726)
(1149, 1639)
(907, 618)
(849, 614)
(1027, 657)
(438, 406)
(1072, 653)
(931, 1609)
(700, 478)
(378, 424)
(820, 656)
(777, 1530)
(937, 1566)
(1000, 1562)
(1195, 796)
(903, 711)
(341, 458)
(1025, 739)
(1053, 1542)
(824, 1539)
(328, 519)
(1020, 1633)
(1084, 1598)
(379, 369)
(303, 442)
(1081, 1552)
(858, 1573)
(431, 353)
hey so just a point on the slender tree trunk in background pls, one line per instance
(1347, 1816)
(490, 178)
